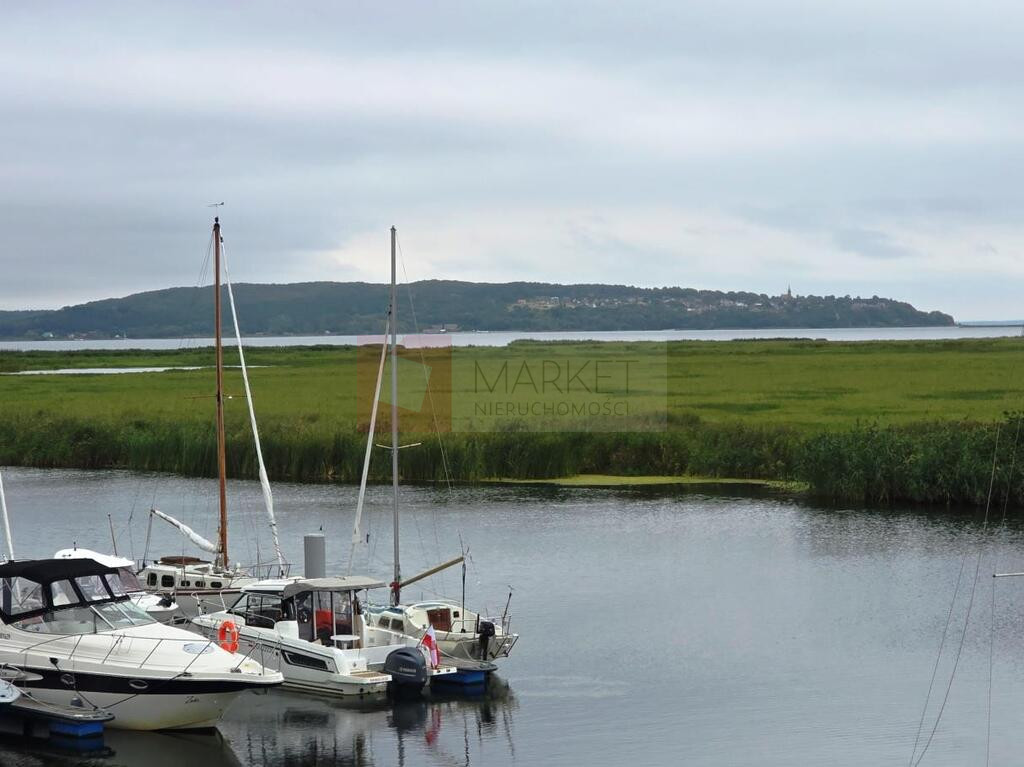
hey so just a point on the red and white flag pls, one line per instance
(430, 642)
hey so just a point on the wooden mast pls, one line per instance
(396, 586)
(221, 456)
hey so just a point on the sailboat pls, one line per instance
(199, 585)
(465, 638)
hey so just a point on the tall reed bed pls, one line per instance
(941, 462)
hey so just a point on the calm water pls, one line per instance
(658, 628)
(505, 338)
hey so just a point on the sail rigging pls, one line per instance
(357, 533)
(268, 496)
(7, 521)
(187, 531)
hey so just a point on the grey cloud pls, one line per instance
(838, 121)
(870, 244)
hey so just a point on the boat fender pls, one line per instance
(485, 633)
(227, 636)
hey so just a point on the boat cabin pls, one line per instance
(65, 596)
(325, 611)
(173, 573)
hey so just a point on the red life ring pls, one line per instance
(227, 636)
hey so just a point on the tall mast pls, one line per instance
(396, 588)
(221, 457)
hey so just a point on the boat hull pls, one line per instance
(299, 662)
(174, 703)
(152, 711)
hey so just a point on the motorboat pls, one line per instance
(74, 637)
(160, 607)
(313, 631)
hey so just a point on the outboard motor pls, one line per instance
(485, 633)
(408, 670)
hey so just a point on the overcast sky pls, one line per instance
(862, 146)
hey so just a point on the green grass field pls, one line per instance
(805, 384)
(777, 410)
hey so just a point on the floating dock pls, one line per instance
(24, 716)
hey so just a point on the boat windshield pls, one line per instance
(91, 619)
(124, 581)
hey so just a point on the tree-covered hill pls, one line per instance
(357, 307)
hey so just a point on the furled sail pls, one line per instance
(187, 531)
(7, 522)
(357, 533)
(268, 496)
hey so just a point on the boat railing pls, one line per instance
(266, 571)
(201, 645)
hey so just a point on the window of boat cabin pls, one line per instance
(167, 581)
(63, 593)
(116, 582)
(20, 595)
(151, 579)
(261, 610)
(332, 611)
(304, 614)
(92, 587)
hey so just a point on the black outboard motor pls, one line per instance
(408, 670)
(486, 632)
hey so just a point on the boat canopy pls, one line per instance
(37, 586)
(48, 570)
(346, 583)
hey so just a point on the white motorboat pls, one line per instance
(73, 635)
(159, 607)
(313, 631)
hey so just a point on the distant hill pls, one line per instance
(313, 308)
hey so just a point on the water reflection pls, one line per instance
(295, 730)
(119, 748)
(292, 729)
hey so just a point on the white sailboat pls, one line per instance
(464, 638)
(198, 584)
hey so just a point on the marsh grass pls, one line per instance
(875, 422)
